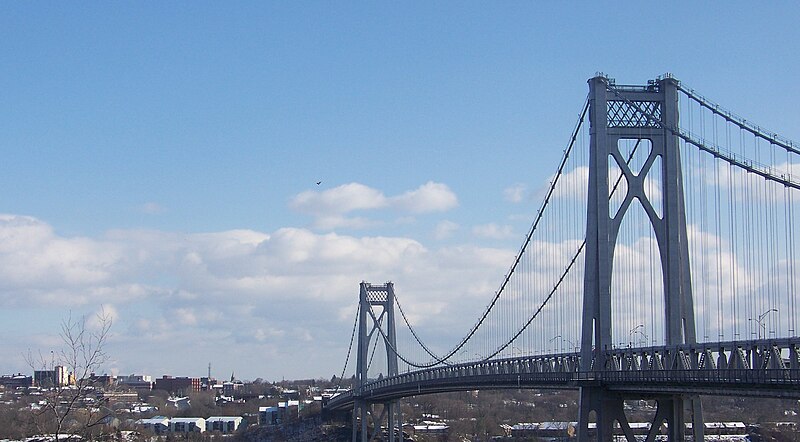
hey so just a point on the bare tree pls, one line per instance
(68, 407)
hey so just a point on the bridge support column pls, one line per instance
(369, 426)
(394, 421)
(608, 408)
(645, 115)
(360, 417)
(376, 312)
(698, 424)
(673, 411)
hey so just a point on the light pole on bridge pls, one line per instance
(560, 341)
(634, 331)
(760, 322)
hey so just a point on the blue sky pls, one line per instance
(161, 160)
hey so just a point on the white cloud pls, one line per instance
(237, 288)
(743, 185)
(185, 316)
(104, 313)
(264, 334)
(333, 222)
(573, 184)
(247, 296)
(339, 200)
(445, 229)
(494, 231)
(430, 197)
(332, 208)
(515, 193)
(151, 208)
(32, 256)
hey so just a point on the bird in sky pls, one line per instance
(319, 182)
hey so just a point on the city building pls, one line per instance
(143, 408)
(207, 382)
(723, 428)
(276, 415)
(14, 381)
(290, 395)
(157, 424)
(126, 397)
(231, 388)
(268, 416)
(161, 425)
(104, 380)
(223, 424)
(187, 425)
(177, 384)
(137, 382)
(57, 377)
(431, 428)
(180, 403)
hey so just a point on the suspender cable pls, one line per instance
(349, 350)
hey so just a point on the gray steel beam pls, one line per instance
(627, 113)
(373, 297)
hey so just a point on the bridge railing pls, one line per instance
(751, 354)
(764, 363)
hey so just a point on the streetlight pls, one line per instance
(644, 338)
(572, 345)
(760, 322)
(634, 331)
(631, 333)
(560, 340)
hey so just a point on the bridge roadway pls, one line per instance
(762, 367)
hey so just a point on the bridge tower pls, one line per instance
(376, 315)
(646, 114)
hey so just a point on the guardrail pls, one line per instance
(757, 366)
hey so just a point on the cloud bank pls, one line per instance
(332, 208)
(241, 299)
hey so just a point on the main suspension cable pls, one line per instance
(413, 332)
(729, 116)
(349, 349)
(717, 152)
(562, 277)
(437, 360)
(523, 248)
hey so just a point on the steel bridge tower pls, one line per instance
(376, 314)
(634, 114)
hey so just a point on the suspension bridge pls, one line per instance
(670, 223)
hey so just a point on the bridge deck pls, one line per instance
(753, 368)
